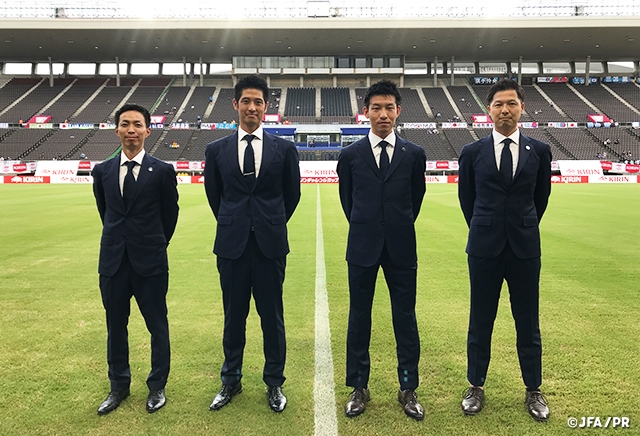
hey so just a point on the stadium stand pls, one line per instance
(104, 104)
(578, 142)
(458, 138)
(14, 89)
(466, 102)
(199, 100)
(558, 152)
(434, 146)
(58, 145)
(412, 109)
(146, 95)
(223, 107)
(608, 103)
(173, 144)
(198, 143)
(35, 101)
(173, 99)
(301, 105)
(71, 100)
(336, 105)
(617, 143)
(567, 100)
(629, 92)
(439, 104)
(22, 141)
(103, 144)
(274, 101)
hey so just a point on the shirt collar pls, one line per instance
(499, 137)
(375, 139)
(137, 158)
(258, 133)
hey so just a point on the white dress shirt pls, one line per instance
(123, 168)
(375, 141)
(256, 144)
(514, 147)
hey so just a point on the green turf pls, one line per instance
(52, 333)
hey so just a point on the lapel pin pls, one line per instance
(404, 149)
(528, 148)
(150, 168)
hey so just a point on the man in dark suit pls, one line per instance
(504, 185)
(137, 200)
(381, 190)
(252, 180)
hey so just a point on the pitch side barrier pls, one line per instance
(79, 172)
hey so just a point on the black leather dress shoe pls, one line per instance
(112, 401)
(537, 405)
(277, 400)
(357, 402)
(409, 400)
(156, 400)
(225, 395)
(473, 400)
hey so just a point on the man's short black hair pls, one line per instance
(134, 107)
(251, 82)
(505, 85)
(383, 87)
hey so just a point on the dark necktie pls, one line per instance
(249, 167)
(129, 184)
(384, 158)
(506, 162)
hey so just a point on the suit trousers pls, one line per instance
(522, 276)
(401, 282)
(151, 296)
(253, 273)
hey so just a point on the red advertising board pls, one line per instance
(26, 179)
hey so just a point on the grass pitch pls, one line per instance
(53, 372)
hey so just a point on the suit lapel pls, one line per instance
(231, 154)
(399, 153)
(146, 171)
(114, 181)
(523, 154)
(364, 148)
(488, 153)
(268, 152)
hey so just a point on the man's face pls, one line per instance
(506, 110)
(132, 131)
(251, 108)
(382, 113)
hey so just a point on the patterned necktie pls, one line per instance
(506, 162)
(129, 184)
(384, 158)
(249, 167)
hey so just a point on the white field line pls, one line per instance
(325, 420)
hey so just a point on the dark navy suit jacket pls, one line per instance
(497, 213)
(381, 209)
(266, 206)
(146, 226)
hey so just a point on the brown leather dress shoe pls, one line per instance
(357, 402)
(537, 405)
(112, 401)
(409, 400)
(225, 395)
(277, 400)
(156, 400)
(473, 400)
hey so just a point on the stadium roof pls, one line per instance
(470, 32)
